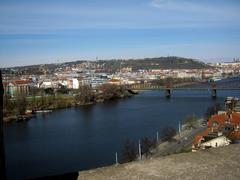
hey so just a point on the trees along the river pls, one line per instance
(129, 151)
(212, 110)
(85, 95)
(21, 104)
(168, 133)
(147, 144)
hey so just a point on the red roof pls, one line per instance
(231, 117)
(7, 83)
(220, 119)
(198, 138)
(21, 82)
(234, 135)
(114, 80)
(235, 118)
(17, 82)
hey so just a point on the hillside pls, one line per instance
(156, 63)
(220, 164)
(114, 65)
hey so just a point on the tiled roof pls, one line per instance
(21, 82)
(197, 139)
(220, 119)
(17, 82)
(234, 135)
(200, 137)
(114, 80)
(235, 118)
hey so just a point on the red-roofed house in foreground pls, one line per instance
(222, 129)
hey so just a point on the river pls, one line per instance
(80, 138)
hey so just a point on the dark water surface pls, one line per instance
(86, 137)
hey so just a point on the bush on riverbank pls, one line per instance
(212, 110)
(13, 107)
(18, 106)
(85, 95)
(129, 151)
(106, 92)
(191, 122)
(147, 144)
(168, 133)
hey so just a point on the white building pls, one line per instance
(75, 83)
(46, 84)
(215, 142)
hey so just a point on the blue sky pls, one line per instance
(48, 31)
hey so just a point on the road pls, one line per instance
(180, 142)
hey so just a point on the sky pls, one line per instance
(55, 31)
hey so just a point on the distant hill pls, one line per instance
(114, 65)
(156, 63)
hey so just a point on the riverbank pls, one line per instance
(182, 142)
(24, 108)
(216, 163)
(88, 137)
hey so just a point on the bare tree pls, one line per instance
(21, 103)
(8, 105)
(129, 151)
(147, 144)
(168, 133)
(110, 91)
(212, 110)
(85, 95)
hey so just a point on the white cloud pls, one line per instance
(161, 3)
(195, 7)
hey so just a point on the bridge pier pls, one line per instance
(168, 93)
(214, 93)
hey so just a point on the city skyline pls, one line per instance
(33, 32)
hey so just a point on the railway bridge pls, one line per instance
(168, 89)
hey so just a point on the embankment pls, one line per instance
(219, 163)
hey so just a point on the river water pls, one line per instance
(80, 138)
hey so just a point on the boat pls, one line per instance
(43, 111)
(132, 92)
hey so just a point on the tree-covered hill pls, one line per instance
(156, 63)
(170, 62)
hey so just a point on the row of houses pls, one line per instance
(186, 73)
(222, 129)
(13, 87)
